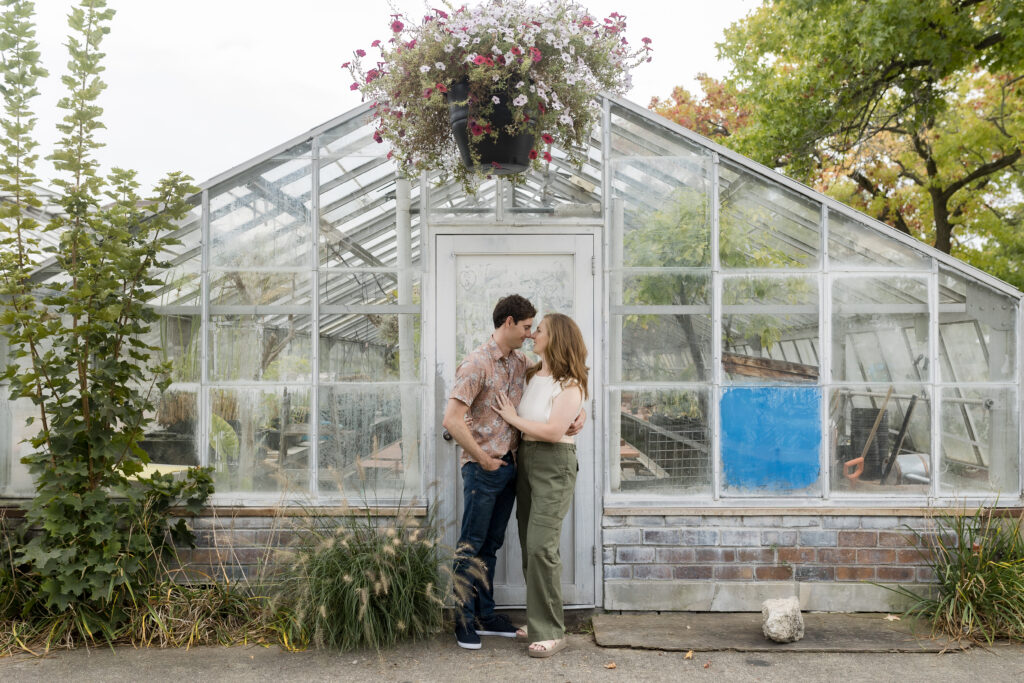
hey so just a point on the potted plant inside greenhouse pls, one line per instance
(488, 90)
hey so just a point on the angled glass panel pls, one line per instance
(365, 288)
(260, 288)
(667, 215)
(857, 245)
(977, 331)
(763, 319)
(656, 287)
(880, 329)
(273, 348)
(15, 480)
(261, 217)
(635, 135)
(664, 443)
(880, 441)
(368, 347)
(259, 439)
(665, 348)
(369, 442)
(980, 442)
(180, 283)
(764, 224)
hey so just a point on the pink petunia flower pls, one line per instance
(546, 137)
(547, 156)
(377, 137)
(441, 87)
(535, 54)
(397, 26)
(480, 59)
(428, 92)
(375, 43)
(533, 154)
(354, 86)
(360, 53)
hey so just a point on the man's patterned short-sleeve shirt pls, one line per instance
(483, 374)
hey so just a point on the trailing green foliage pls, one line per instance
(77, 348)
(354, 583)
(978, 562)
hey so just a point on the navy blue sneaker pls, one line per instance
(466, 637)
(495, 625)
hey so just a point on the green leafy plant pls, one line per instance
(978, 562)
(547, 63)
(77, 343)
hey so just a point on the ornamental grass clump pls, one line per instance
(364, 581)
(547, 63)
(978, 561)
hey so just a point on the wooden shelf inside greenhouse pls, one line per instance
(767, 368)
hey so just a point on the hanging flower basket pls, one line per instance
(502, 77)
(505, 154)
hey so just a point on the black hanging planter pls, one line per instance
(510, 152)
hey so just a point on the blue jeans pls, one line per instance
(488, 498)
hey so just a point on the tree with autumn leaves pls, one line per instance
(910, 111)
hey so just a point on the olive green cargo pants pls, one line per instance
(547, 476)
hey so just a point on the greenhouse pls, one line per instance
(774, 372)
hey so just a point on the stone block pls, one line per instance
(739, 537)
(840, 522)
(778, 538)
(815, 538)
(781, 620)
(633, 555)
(622, 536)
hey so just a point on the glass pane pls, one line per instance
(180, 281)
(636, 135)
(368, 347)
(15, 480)
(262, 217)
(653, 288)
(275, 348)
(369, 442)
(178, 339)
(771, 441)
(259, 439)
(763, 319)
(664, 442)
(545, 279)
(667, 216)
(980, 428)
(977, 331)
(880, 329)
(855, 244)
(262, 288)
(900, 444)
(665, 348)
(171, 438)
(765, 225)
(360, 288)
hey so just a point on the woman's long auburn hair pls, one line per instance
(566, 353)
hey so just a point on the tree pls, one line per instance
(909, 110)
(716, 115)
(77, 340)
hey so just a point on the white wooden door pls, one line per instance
(556, 273)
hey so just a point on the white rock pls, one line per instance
(781, 620)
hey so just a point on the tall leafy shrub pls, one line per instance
(77, 339)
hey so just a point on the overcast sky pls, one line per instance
(204, 85)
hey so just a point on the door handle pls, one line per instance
(446, 435)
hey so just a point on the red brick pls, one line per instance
(858, 539)
(911, 557)
(837, 555)
(715, 555)
(891, 539)
(755, 555)
(876, 556)
(925, 574)
(813, 573)
(796, 555)
(855, 573)
(774, 573)
(692, 572)
(895, 573)
(734, 572)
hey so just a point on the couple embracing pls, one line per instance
(515, 423)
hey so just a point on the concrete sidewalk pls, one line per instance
(505, 660)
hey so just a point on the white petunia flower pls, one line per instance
(496, 99)
(519, 100)
(565, 119)
(439, 66)
(520, 84)
(425, 68)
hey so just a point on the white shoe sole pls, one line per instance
(496, 633)
(469, 646)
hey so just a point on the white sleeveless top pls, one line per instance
(538, 398)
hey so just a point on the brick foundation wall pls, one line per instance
(765, 549)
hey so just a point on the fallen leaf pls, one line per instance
(707, 665)
(610, 665)
(689, 655)
(891, 617)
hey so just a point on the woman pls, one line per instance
(555, 390)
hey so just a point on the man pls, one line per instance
(488, 464)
